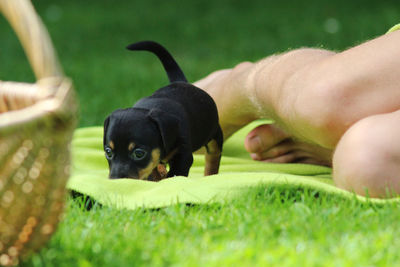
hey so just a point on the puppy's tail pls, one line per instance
(172, 68)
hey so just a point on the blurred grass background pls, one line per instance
(203, 36)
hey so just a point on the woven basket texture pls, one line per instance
(36, 125)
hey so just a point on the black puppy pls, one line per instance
(167, 126)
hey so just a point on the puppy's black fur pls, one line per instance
(166, 126)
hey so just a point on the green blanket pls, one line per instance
(237, 173)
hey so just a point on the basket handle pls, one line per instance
(33, 36)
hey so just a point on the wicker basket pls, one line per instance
(36, 125)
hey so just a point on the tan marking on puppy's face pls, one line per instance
(154, 161)
(131, 146)
(111, 145)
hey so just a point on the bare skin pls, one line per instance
(338, 109)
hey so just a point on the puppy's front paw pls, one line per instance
(159, 173)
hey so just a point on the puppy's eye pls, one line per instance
(139, 154)
(109, 153)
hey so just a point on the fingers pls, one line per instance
(263, 138)
(277, 150)
(268, 143)
(298, 156)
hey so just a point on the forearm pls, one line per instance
(251, 91)
(233, 91)
(230, 90)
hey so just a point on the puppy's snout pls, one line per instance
(118, 176)
(122, 171)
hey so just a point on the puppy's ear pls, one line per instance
(106, 123)
(168, 126)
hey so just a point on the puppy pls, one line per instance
(166, 127)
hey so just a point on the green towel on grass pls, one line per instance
(237, 173)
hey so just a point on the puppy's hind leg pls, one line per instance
(213, 153)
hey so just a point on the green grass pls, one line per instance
(263, 227)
